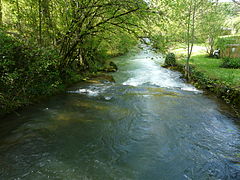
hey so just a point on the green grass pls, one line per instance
(211, 67)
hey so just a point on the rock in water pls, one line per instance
(101, 78)
(113, 65)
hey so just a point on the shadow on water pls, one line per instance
(148, 125)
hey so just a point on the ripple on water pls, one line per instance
(149, 72)
(92, 90)
(148, 125)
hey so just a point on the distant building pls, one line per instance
(229, 46)
(231, 51)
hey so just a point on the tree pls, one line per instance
(195, 11)
(184, 22)
(186, 15)
(18, 16)
(235, 23)
(40, 21)
(211, 25)
(69, 26)
(94, 18)
(1, 14)
(236, 2)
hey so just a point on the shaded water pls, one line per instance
(148, 125)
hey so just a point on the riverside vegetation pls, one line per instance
(219, 76)
(208, 73)
(29, 74)
(46, 45)
(149, 124)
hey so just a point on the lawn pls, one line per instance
(211, 67)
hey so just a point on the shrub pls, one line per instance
(231, 63)
(26, 73)
(170, 59)
(222, 41)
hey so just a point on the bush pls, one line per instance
(233, 63)
(170, 59)
(222, 41)
(26, 73)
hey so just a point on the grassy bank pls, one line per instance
(207, 73)
(211, 68)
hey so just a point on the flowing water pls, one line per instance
(147, 125)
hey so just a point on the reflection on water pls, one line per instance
(148, 125)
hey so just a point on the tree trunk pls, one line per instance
(40, 21)
(191, 34)
(1, 14)
(18, 17)
(47, 20)
(211, 44)
(237, 2)
(188, 42)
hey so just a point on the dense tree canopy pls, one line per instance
(78, 29)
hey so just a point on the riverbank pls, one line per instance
(30, 74)
(116, 130)
(12, 106)
(207, 74)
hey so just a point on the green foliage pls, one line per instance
(56, 40)
(83, 32)
(206, 73)
(235, 22)
(108, 27)
(160, 43)
(212, 68)
(170, 59)
(211, 26)
(224, 40)
(121, 44)
(231, 63)
(26, 72)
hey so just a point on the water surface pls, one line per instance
(150, 124)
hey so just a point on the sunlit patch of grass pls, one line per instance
(180, 50)
(211, 67)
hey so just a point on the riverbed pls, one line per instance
(150, 124)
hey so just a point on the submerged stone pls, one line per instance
(101, 78)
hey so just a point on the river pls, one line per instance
(148, 125)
